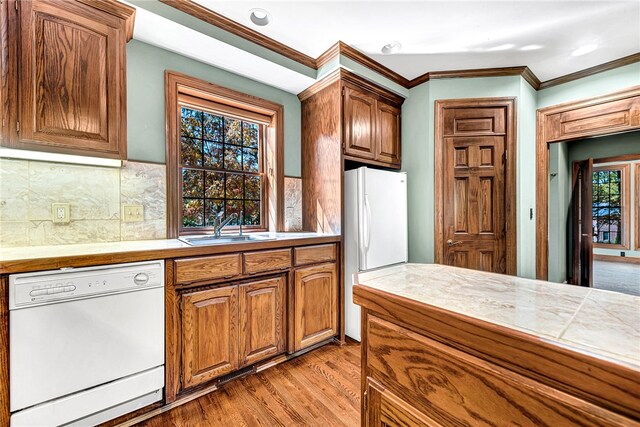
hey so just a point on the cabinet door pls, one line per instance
(261, 319)
(385, 409)
(209, 334)
(388, 147)
(315, 305)
(72, 77)
(359, 123)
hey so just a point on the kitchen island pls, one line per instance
(450, 346)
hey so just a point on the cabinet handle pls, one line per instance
(452, 243)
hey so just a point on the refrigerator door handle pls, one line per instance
(367, 222)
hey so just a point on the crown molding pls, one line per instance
(340, 48)
(209, 16)
(616, 63)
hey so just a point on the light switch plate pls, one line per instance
(60, 213)
(132, 213)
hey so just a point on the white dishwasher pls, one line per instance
(86, 344)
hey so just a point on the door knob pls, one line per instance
(452, 243)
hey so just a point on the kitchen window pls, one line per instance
(224, 152)
(610, 209)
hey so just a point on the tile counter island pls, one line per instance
(448, 346)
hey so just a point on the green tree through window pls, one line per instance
(607, 206)
(220, 159)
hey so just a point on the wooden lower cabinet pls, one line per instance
(315, 308)
(385, 409)
(262, 320)
(209, 334)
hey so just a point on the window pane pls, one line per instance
(249, 134)
(233, 207)
(192, 213)
(252, 187)
(213, 155)
(214, 185)
(191, 123)
(212, 125)
(190, 152)
(192, 185)
(232, 131)
(232, 158)
(234, 186)
(251, 212)
(250, 159)
(212, 208)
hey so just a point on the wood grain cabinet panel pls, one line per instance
(315, 254)
(315, 305)
(360, 123)
(209, 334)
(385, 409)
(456, 388)
(388, 142)
(4, 70)
(262, 320)
(192, 270)
(258, 262)
(72, 83)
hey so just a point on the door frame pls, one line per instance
(510, 103)
(543, 139)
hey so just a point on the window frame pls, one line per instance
(636, 203)
(625, 217)
(177, 87)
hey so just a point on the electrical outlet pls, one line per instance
(60, 213)
(132, 213)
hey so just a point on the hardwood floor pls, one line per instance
(617, 276)
(321, 388)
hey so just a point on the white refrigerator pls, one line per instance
(375, 229)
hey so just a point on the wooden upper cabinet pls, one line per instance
(3, 70)
(371, 125)
(262, 325)
(315, 305)
(360, 123)
(209, 334)
(72, 77)
(388, 146)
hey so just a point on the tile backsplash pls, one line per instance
(95, 195)
(292, 204)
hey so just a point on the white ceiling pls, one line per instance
(454, 35)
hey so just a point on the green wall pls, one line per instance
(146, 65)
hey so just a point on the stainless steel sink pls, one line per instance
(206, 240)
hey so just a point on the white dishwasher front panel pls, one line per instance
(65, 347)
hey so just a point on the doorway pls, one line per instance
(475, 178)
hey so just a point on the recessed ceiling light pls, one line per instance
(259, 17)
(393, 47)
(506, 46)
(531, 47)
(583, 50)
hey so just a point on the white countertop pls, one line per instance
(40, 252)
(602, 323)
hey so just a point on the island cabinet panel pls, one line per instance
(360, 123)
(454, 388)
(315, 309)
(262, 322)
(72, 77)
(209, 334)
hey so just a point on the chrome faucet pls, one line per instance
(218, 224)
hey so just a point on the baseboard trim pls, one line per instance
(615, 258)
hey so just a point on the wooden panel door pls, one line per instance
(72, 61)
(474, 188)
(209, 334)
(388, 147)
(582, 204)
(385, 409)
(359, 124)
(315, 305)
(261, 319)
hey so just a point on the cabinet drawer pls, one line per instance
(257, 262)
(208, 268)
(314, 254)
